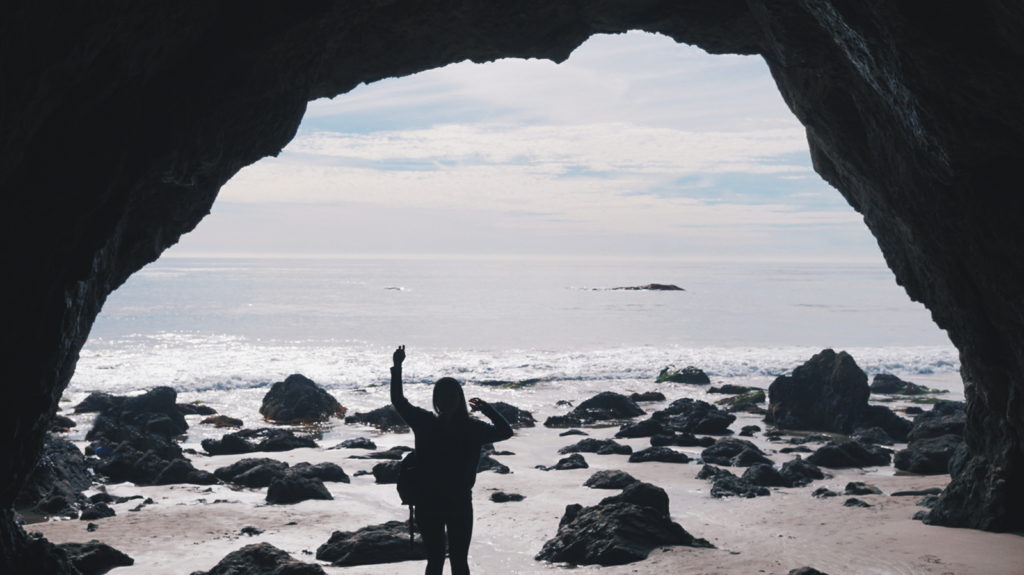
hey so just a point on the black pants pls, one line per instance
(451, 515)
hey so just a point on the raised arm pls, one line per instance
(397, 396)
(499, 430)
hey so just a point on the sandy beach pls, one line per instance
(192, 527)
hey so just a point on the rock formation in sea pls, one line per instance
(121, 126)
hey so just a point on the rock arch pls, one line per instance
(121, 121)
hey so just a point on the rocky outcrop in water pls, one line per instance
(299, 399)
(251, 440)
(920, 134)
(688, 374)
(385, 418)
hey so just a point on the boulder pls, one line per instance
(195, 408)
(806, 571)
(58, 479)
(727, 452)
(574, 461)
(944, 418)
(563, 421)
(662, 454)
(220, 421)
(688, 374)
(295, 487)
(732, 486)
(712, 472)
(384, 543)
(181, 471)
(888, 384)
(384, 418)
(324, 471)
(97, 402)
(647, 396)
(95, 558)
(872, 436)
(886, 419)
(823, 493)
(515, 417)
(261, 559)
(643, 428)
(607, 405)
(356, 443)
(386, 472)
(96, 511)
(750, 402)
(252, 471)
(765, 475)
(250, 440)
(732, 389)
(618, 530)
(573, 432)
(845, 453)
(609, 479)
(928, 456)
(125, 463)
(488, 463)
(61, 423)
(299, 399)
(147, 422)
(682, 440)
(598, 446)
(396, 452)
(827, 393)
(799, 472)
(861, 488)
(694, 416)
(502, 497)
(854, 502)
(749, 430)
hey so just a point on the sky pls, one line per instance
(635, 146)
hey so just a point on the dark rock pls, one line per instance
(913, 410)
(250, 440)
(574, 432)
(929, 456)
(384, 543)
(607, 405)
(765, 475)
(712, 472)
(944, 418)
(849, 453)
(662, 454)
(694, 416)
(506, 384)
(726, 451)
(386, 471)
(609, 479)
(574, 461)
(58, 479)
(325, 471)
(799, 472)
(854, 502)
(181, 471)
(806, 571)
(223, 421)
(872, 436)
(732, 486)
(126, 463)
(797, 449)
(682, 440)
(356, 443)
(384, 418)
(828, 393)
(732, 389)
(90, 527)
(560, 421)
(916, 492)
(824, 493)
(749, 430)
(61, 423)
(749, 457)
(95, 558)
(295, 487)
(488, 463)
(688, 374)
(563, 403)
(97, 511)
(97, 402)
(396, 452)
(515, 417)
(887, 384)
(196, 409)
(502, 497)
(252, 471)
(647, 396)
(861, 488)
(810, 438)
(643, 428)
(298, 399)
(261, 559)
(598, 446)
(650, 287)
(250, 531)
(750, 401)
(619, 530)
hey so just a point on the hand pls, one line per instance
(477, 404)
(399, 356)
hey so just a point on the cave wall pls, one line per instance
(121, 121)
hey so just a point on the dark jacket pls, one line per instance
(447, 454)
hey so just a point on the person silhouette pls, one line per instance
(448, 444)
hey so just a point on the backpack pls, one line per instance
(409, 487)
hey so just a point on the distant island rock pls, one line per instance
(648, 287)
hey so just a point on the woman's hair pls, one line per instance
(448, 392)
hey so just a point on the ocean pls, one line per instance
(221, 331)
